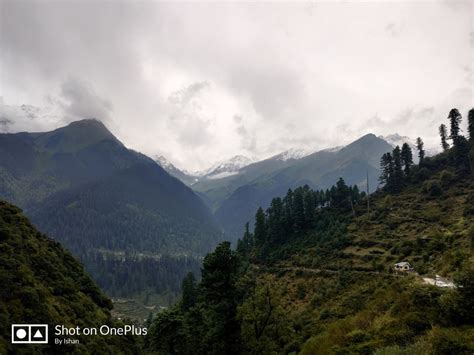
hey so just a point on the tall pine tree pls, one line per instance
(470, 124)
(407, 158)
(260, 231)
(397, 169)
(455, 123)
(298, 210)
(421, 151)
(443, 132)
(386, 166)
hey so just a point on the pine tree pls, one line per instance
(397, 169)
(221, 296)
(386, 166)
(443, 132)
(470, 124)
(189, 292)
(455, 122)
(342, 195)
(245, 244)
(298, 210)
(309, 207)
(275, 216)
(421, 151)
(407, 158)
(260, 231)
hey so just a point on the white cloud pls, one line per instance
(172, 77)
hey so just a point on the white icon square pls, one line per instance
(29, 333)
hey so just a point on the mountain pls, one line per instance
(323, 274)
(217, 171)
(43, 284)
(184, 176)
(83, 187)
(226, 168)
(257, 184)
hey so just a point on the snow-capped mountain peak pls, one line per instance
(228, 167)
(293, 153)
(163, 162)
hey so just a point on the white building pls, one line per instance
(403, 266)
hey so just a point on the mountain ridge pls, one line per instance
(83, 187)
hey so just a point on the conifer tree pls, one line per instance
(275, 216)
(443, 132)
(397, 169)
(189, 292)
(245, 244)
(342, 194)
(298, 210)
(407, 158)
(309, 206)
(260, 231)
(470, 124)
(421, 151)
(455, 123)
(386, 166)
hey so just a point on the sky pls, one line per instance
(202, 82)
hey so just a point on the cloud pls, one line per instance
(248, 139)
(393, 29)
(79, 101)
(17, 118)
(187, 118)
(170, 77)
(184, 96)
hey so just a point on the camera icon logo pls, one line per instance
(29, 333)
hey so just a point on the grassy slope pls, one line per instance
(345, 299)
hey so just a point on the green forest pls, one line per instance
(42, 283)
(316, 275)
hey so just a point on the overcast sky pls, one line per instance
(203, 82)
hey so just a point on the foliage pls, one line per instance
(316, 276)
(42, 283)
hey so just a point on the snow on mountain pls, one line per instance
(163, 162)
(293, 153)
(226, 168)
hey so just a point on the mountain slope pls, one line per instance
(42, 283)
(85, 188)
(319, 170)
(318, 275)
(185, 177)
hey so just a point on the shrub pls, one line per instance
(446, 178)
(432, 188)
(469, 206)
(422, 174)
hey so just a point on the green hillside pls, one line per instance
(317, 274)
(109, 206)
(42, 283)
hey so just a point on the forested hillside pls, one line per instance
(236, 198)
(42, 283)
(317, 275)
(108, 204)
